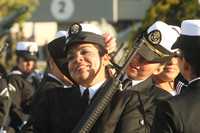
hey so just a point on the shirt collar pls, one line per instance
(193, 80)
(134, 82)
(92, 90)
(54, 77)
(173, 92)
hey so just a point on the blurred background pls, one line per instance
(39, 20)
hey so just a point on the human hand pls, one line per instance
(110, 43)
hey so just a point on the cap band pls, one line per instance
(27, 55)
(84, 37)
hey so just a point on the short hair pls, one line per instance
(193, 60)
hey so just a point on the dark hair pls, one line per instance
(192, 56)
(101, 50)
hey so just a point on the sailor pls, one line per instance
(23, 78)
(180, 114)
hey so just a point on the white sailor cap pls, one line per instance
(86, 27)
(168, 34)
(189, 36)
(176, 28)
(190, 28)
(158, 40)
(61, 33)
(27, 49)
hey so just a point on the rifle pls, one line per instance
(104, 96)
(8, 21)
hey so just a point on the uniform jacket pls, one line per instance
(5, 99)
(33, 78)
(60, 109)
(21, 102)
(48, 82)
(7, 93)
(180, 84)
(179, 114)
(149, 97)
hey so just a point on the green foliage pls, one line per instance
(171, 11)
(8, 6)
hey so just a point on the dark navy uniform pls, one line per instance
(33, 78)
(48, 82)
(66, 111)
(21, 102)
(148, 97)
(180, 113)
(7, 93)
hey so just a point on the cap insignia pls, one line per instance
(154, 37)
(32, 50)
(75, 29)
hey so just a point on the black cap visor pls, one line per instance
(85, 37)
(154, 53)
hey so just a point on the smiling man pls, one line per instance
(153, 53)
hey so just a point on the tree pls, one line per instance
(8, 6)
(171, 11)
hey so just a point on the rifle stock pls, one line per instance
(103, 98)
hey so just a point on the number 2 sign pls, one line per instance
(62, 10)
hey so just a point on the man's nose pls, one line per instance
(79, 58)
(172, 61)
(137, 59)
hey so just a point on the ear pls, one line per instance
(159, 70)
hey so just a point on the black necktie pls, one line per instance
(126, 83)
(85, 97)
(83, 103)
